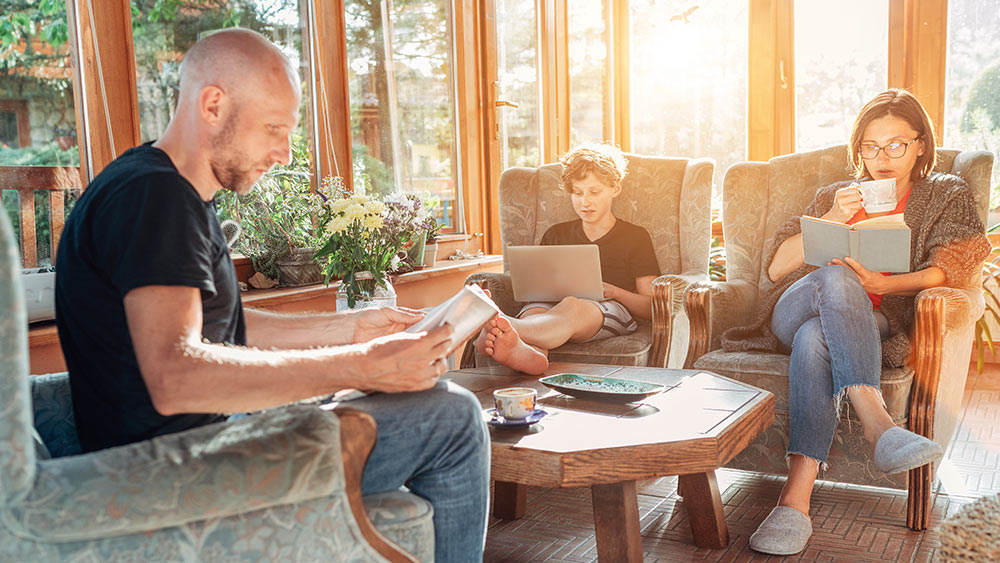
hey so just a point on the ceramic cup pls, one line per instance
(878, 195)
(515, 403)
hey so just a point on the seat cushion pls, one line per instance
(629, 350)
(405, 519)
(769, 371)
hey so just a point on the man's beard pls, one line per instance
(228, 162)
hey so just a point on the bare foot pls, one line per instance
(481, 339)
(505, 346)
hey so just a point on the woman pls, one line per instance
(842, 322)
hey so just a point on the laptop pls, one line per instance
(552, 272)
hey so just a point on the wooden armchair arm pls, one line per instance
(668, 301)
(357, 439)
(663, 321)
(734, 301)
(944, 324)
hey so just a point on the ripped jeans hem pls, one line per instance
(823, 465)
(838, 399)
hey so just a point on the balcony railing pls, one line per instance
(57, 183)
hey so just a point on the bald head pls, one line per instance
(236, 60)
(238, 106)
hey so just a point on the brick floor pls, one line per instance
(850, 523)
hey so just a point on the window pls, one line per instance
(688, 83)
(589, 89)
(972, 88)
(517, 74)
(163, 31)
(37, 120)
(8, 129)
(841, 62)
(400, 68)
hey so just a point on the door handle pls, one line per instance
(504, 103)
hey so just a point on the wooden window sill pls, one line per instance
(265, 298)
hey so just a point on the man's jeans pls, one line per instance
(435, 443)
(826, 319)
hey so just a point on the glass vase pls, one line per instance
(371, 293)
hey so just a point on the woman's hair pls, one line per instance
(606, 162)
(904, 105)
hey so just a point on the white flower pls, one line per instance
(354, 211)
(337, 225)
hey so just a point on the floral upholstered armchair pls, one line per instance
(924, 396)
(670, 198)
(284, 485)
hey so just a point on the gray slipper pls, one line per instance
(785, 531)
(900, 450)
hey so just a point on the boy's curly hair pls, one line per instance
(607, 162)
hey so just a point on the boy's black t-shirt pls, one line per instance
(138, 223)
(626, 250)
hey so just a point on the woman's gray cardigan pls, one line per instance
(946, 232)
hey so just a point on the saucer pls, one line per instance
(496, 419)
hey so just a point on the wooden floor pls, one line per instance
(850, 523)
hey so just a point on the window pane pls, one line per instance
(972, 91)
(400, 67)
(841, 62)
(37, 112)
(587, 80)
(690, 98)
(517, 70)
(163, 31)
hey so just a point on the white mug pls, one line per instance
(515, 403)
(878, 195)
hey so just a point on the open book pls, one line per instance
(466, 311)
(881, 244)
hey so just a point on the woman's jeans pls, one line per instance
(826, 319)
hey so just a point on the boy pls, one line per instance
(592, 175)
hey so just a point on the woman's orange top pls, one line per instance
(861, 215)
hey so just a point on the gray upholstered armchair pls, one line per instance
(669, 197)
(925, 396)
(280, 486)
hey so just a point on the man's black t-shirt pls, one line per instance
(138, 223)
(626, 250)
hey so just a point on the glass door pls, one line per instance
(515, 86)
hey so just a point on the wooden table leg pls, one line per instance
(510, 500)
(616, 522)
(704, 507)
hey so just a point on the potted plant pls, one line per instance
(431, 244)
(363, 236)
(431, 229)
(278, 221)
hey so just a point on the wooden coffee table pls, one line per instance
(697, 425)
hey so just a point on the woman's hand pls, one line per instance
(846, 202)
(873, 282)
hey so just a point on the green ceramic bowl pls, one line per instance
(601, 388)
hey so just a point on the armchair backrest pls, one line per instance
(17, 452)
(669, 197)
(759, 197)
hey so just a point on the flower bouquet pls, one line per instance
(363, 238)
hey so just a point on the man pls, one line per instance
(155, 335)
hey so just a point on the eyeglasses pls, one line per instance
(892, 150)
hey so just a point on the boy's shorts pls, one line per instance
(617, 320)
